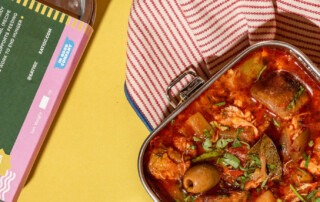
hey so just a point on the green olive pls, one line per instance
(201, 178)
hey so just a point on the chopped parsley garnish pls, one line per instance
(271, 166)
(219, 104)
(231, 160)
(248, 146)
(295, 98)
(255, 161)
(207, 133)
(224, 128)
(237, 142)
(263, 184)
(307, 160)
(276, 123)
(243, 180)
(312, 194)
(196, 139)
(260, 73)
(212, 124)
(239, 131)
(311, 143)
(192, 147)
(222, 143)
(207, 145)
(297, 193)
(189, 198)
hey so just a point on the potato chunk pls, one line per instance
(198, 123)
(281, 93)
(266, 196)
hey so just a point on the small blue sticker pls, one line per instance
(64, 54)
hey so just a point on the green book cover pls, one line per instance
(39, 50)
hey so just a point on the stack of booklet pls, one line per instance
(39, 50)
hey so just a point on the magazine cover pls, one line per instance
(39, 50)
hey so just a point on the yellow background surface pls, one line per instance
(91, 150)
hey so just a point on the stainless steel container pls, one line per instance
(187, 98)
(84, 10)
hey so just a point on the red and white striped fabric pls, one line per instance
(165, 37)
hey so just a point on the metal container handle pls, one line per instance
(187, 91)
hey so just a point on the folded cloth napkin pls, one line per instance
(166, 37)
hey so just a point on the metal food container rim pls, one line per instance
(294, 50)
(88, 16)
(87, 13)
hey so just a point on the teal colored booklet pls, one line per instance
(39, 50)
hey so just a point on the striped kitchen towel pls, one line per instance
(166, 37)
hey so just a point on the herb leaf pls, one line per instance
(312, 194)
(231, 160)
(237, 142)
(219, 104)
(189, 198)
(248, 146)
(239, 131)
(243, 180)
(196, 139)
(260, 73)
(295, 98)
(311, 143)
(255, 161)
(207, 145)
(271, 166)
(297, 193)
(222, 143)
(264, 182)
(276, 123)
(307, 159)
(207, 133)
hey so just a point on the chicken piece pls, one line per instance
(226, 81)
(313, 165)
(162, 167)
(184, 145)
(234, 117)
(281, 93)
(297, 119)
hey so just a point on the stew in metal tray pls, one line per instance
(253, 135)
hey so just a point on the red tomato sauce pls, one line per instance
(257, 126)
